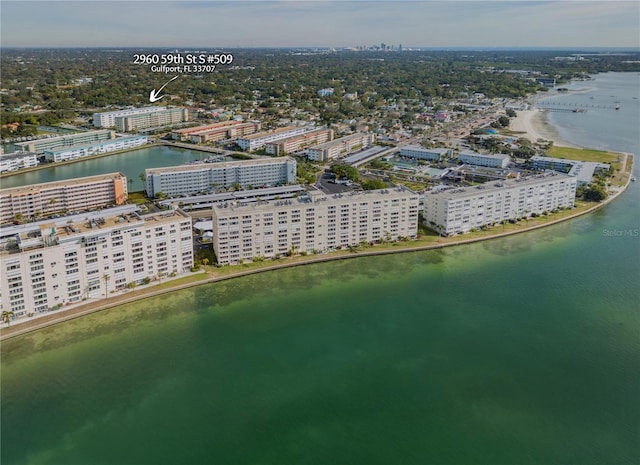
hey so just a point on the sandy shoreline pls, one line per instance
(534, 125)
(534, 122)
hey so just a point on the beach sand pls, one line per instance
(534, 125)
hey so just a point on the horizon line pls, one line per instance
(324, 47)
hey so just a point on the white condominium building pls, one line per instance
(422, 153)
(461, 210)
(216, 132)
(86, 150)
(108, 119)
(340, 147)
(313, 222)
(69, 140)
(479, 159)
(155, 119)
(47, 266)
(295, 143)
(205, 177)
(17, 160)
(259, 140)
(41, 200)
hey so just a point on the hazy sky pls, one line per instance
(242, 23)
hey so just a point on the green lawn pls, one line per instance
(585, 155)
(138, 198)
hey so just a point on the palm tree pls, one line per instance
(7, 316)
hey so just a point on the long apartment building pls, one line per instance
(45, 199)
(48, 265)
(216, 132)
(85, 150)
(481, 159)
(340, 147)
(68, 140)
(295, 143)
(583, 171)
(17, 160)
(165, 117)
(107, 119)
(311, 223)
(422, 153)
(260, 139)
(458, 211)
(204, 177)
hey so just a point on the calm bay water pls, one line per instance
(523, 350)
(130, 163)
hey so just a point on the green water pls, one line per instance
(523, 350)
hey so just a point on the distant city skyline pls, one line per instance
(434, 24)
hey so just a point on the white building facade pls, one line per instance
(458, 211)
(86, 150)
(107, 119)
(156, 119)
(68, 140)
(204, 177)
(423, 153)
(312, 223)
(479, 159)
(17, 161)
(52, 266)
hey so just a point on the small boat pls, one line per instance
(633, 178)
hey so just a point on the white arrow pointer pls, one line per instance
(153, 95)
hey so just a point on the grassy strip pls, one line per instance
(427, 240)
(600, 156)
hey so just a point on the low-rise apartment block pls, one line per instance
(314, 222)
(68, 140)
(205, 177)
(17, 160)
(216, 132)
(295, 143)
(45, 266)
(480, 159)
(86, 150)
(259, 140)
(107, 119)
(423, 153)
(44, 199)
(458, 211)
(155, 119)
(340, 147)
(583, 171)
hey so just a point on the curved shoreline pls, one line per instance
(60, 317)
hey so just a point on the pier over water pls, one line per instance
(571, 106)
